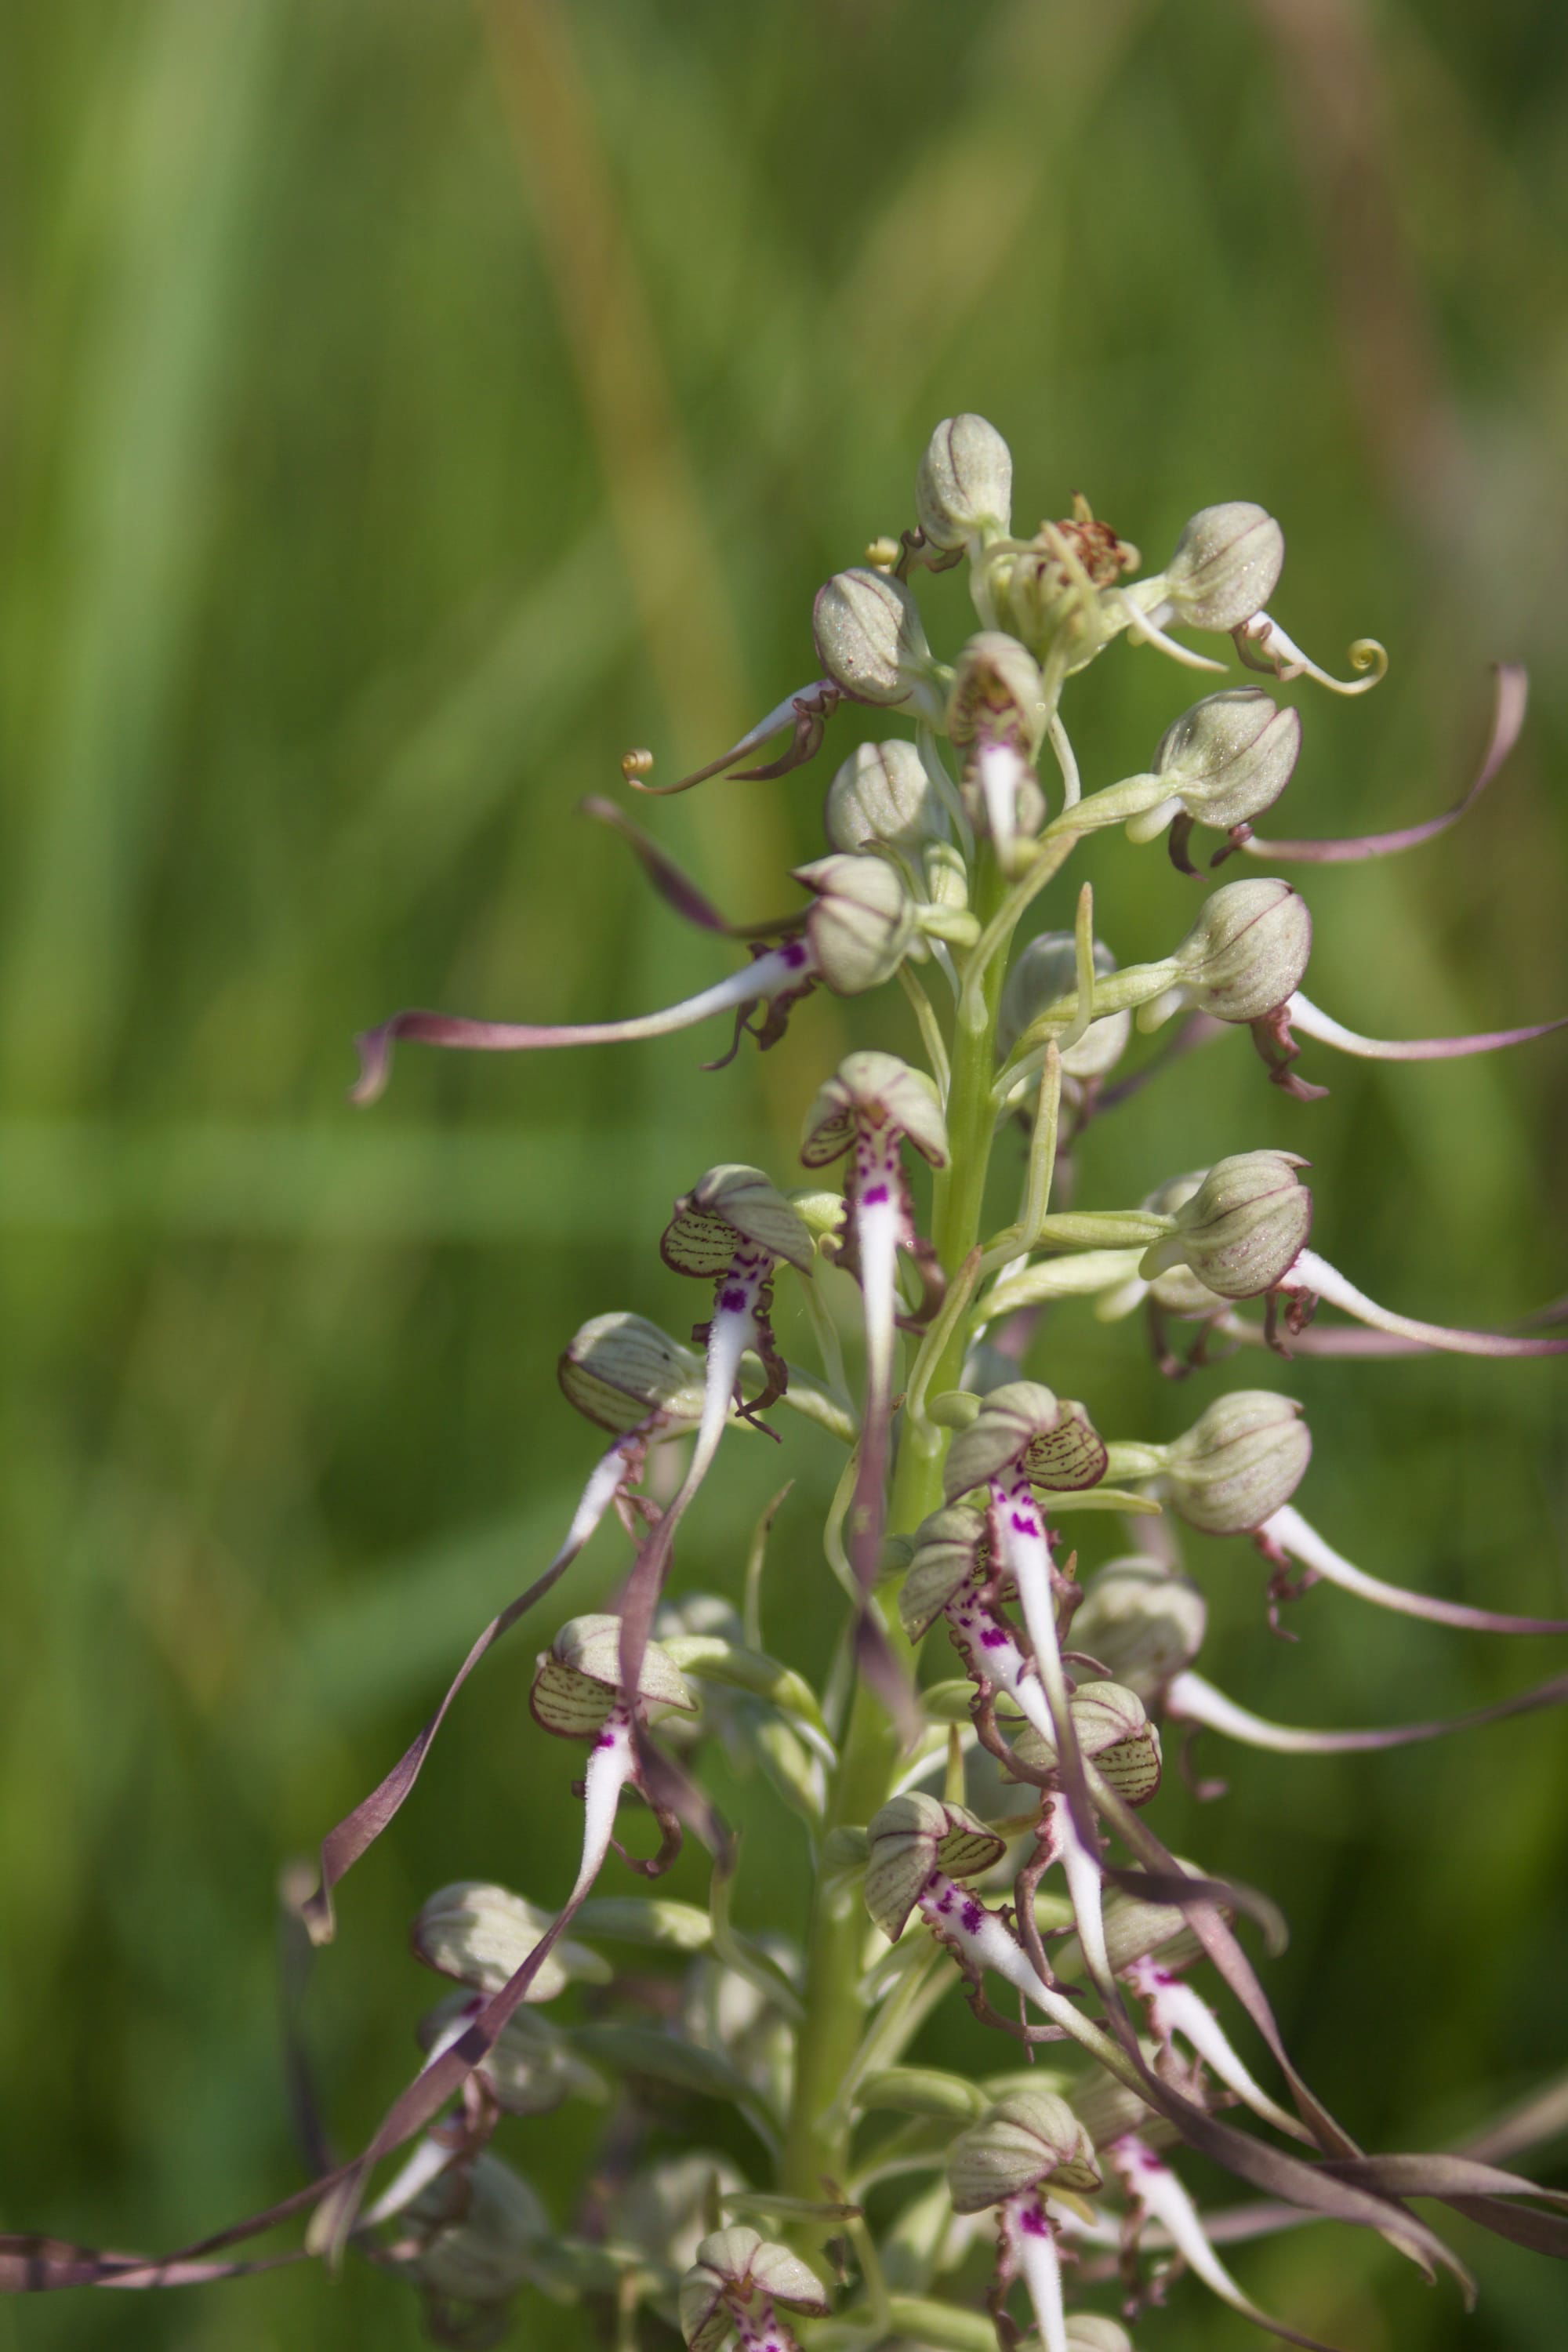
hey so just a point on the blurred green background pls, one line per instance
(404, 409)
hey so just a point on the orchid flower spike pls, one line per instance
(730, 2293)
(996, 716)
(1026, 2150)
(854, 936)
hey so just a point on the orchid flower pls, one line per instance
(1026, 2150)
(854, 936)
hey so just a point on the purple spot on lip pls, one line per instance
(732, 1301)
(972, 1916)
(1034, 2221)
(993, 1638)
(874, 1195)
(794, 953)
(1025, 1522)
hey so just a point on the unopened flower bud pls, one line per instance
(493, 2246)
(1229, 757)
(482, 1936)
(1023, 1423)
(861, 924)
(1031, 2140)
(1226, 566)
(577, 1680)
(1243, 1229)
(1141, 1622)
(1247, 951)
(949, 1546)
(1240, 1462)
(963, 492)
(733, 1204)
(735, 2268)
(913, 1835)
(878, 1092)
(1041, 976)
(620, 1369)
(869, 633)
(883, 795)
(1113, 1733)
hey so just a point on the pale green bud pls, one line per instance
(621, 1370)
(883, 795)
(948, 1546)
(1226, 566)
(1031, 2140)
(1247, 951)
(1023, 1424)
(869, 637)
(482, 1936)
(1141, 1622)
(1113, 1732)
(963, 492)
(1239, 1463)
(730, 1205)
(1041, 976)
(577, 1680)
(874, 1091)
(494, 2244)
(862, 923)
(733, 2267)
(1178, 1290)
(1230, 756)
(1243, 1229)
(913, 1835)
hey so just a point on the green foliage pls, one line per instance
(402, 404)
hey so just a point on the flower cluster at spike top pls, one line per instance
(976, 1670)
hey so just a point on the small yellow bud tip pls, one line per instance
(636, 764)
(882, 555)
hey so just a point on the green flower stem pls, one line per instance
(816, 2150)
